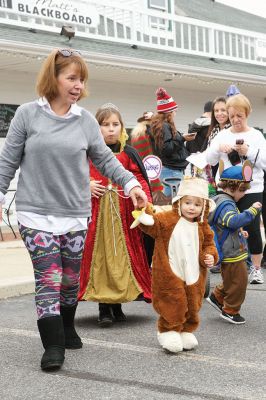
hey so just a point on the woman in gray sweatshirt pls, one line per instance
(52, 140)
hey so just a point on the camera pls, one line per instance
(239, 141)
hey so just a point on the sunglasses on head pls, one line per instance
(68, 53)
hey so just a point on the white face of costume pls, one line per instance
(191, 207)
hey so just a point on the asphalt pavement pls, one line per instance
(125, 361)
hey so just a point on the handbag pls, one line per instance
(234, 157)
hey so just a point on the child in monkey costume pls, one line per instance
(184, 249)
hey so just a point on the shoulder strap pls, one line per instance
(217, 213)
(218, 210)
(134, 155)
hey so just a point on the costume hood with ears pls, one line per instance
(189, 186)
(197, 187)
(236, 173)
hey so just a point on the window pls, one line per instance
(159, 22)
(7, 112)
(158, 4)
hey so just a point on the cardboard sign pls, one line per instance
(153, 166)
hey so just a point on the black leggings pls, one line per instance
(254, 239)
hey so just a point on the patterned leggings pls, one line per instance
(56, 262)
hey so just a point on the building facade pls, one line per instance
(132, 48)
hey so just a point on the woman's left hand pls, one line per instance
(188, 137)
(138, 197)
(242, 149)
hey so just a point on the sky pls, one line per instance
(257, 7)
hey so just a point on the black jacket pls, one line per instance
(201, 126)
(173, 153)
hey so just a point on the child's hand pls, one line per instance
(209, 260)
(97, 190)
(245, 234)
(257, 205)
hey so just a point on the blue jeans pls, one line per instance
(170, 173)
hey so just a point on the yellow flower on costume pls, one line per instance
(141, 217)
(136, 213)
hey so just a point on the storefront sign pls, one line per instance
(69, 12)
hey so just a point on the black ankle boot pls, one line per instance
(53, 339)
(72, 339)
(105, 315)
(119, 316)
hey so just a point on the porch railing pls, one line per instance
(162, 31)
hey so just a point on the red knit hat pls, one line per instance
(165, 103)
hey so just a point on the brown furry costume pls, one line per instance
(178, 267)
(177, 304)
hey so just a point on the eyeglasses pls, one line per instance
(69, 53)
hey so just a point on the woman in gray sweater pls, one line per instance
(51, 140)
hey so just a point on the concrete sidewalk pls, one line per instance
(16, 273)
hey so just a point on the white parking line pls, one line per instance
(240, 364)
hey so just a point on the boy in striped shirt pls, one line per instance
(228, 296)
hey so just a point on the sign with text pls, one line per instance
(153, 166)
(7, 112)
(75, 12)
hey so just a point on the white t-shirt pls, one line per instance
(257, 150)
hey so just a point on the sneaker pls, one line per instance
(216, 269)
(255, 276)
(214, 302)
(233, 318)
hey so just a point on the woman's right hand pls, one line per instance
(97, 190)
(225, 148)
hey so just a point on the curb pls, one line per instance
(9, 288)
(15, 284)
(12, 244)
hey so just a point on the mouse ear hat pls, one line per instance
(236, 173)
